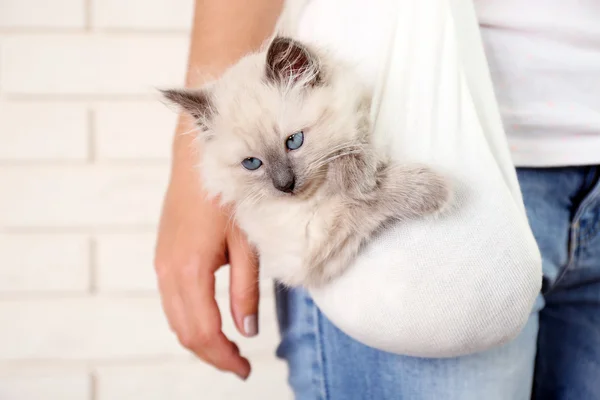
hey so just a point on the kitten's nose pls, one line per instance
(286, 186)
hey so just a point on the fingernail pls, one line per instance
(243, 377)
(251, 325)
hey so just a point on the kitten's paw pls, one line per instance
(288, 274)
(437, 192)
(309, 280)
(417, 190)
(315, 278)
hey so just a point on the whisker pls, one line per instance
(193, 130)
(339, 148)
(331, 158)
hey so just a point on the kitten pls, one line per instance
(285, 138)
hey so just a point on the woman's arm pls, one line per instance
(194, 237)
(222, 32)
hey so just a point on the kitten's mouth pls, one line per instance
(306, 189)
(296, 188)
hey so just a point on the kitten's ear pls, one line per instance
(289, 61)
(195, 102)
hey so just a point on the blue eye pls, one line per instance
(251, 163)
(295, 141)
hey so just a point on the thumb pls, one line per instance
(243, 285)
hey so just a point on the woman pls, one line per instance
(545, 62)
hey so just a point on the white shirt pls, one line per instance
(544, 57)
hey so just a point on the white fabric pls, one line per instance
(544, 60)
(467, 281)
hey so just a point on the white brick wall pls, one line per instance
(79, 64)
(37, 385)
(190, 381)
(36, 14)
(122, 130)
(143, 14)
(44, 263)
(46, 131)
(84, 158)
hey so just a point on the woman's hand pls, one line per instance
(196, 236)
(195, 239)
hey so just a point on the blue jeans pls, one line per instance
(557, 355)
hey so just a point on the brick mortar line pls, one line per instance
(87, 163)
(83, 294)
(9, 31)
(93, 364)
(101, 294)
(88, 17)
(81, 98)
(91, 135)
(134, 31)
(93, 266)
(93, 395)
(85, 230)
(94, 31)
(41, 162)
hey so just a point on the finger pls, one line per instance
(244, 290)
(224, 355)
(205, 338)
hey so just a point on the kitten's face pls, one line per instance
(270, 133)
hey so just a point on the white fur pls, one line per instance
(343, 191)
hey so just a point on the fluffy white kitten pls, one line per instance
(285, 137)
